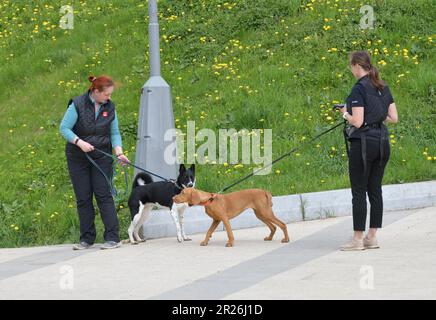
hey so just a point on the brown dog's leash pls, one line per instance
(281, 157)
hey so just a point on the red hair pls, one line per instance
(100, 83)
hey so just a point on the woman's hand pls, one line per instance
(123, 159)
(85, 146)
(343, 110)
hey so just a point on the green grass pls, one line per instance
(271, 73)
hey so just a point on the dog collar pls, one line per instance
(208, 201)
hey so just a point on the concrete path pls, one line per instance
(309, 267)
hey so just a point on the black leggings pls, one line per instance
(88, 181)
(370, 183)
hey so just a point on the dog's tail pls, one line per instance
(269, 198)
(141, 179)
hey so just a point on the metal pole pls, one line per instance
(156, 112)
(153, 31)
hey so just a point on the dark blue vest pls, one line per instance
(88, 128)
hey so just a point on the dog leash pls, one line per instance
(233, 184)
(131, 164)
(110, 182)
(282, 157)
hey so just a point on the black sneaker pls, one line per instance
(82, 245)
(110, 245)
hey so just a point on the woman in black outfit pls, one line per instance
(368, 107)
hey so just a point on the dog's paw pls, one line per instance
(229, 244)
(125, 241)
(138, 239)
(285, 240)
(203, 243)
(187, 239)
(134, 242)
(267, 239)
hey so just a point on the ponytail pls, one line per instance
(375, 78)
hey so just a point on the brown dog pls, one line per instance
(223, 207)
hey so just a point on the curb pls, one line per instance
(297, 207)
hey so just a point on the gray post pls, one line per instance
(156, 111)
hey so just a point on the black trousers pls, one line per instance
(88, 181)
(370, 183)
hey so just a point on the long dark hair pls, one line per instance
(363, 59)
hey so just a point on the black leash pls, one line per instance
(224, 189)
(283, 156)
(110, 181)
(131, 164)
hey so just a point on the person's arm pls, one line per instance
(357, 118)
(116, 140)
(68, 122)
(392, 116)
(115, 136)
(66, 129)
(356, 102)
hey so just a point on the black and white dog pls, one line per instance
(146, 194)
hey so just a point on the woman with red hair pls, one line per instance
(91, 122)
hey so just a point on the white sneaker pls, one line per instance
(370, 243)
(353, 245)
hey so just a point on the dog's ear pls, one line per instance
(198, 196)
(195, 196)
(192, 167)
(182, 168)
